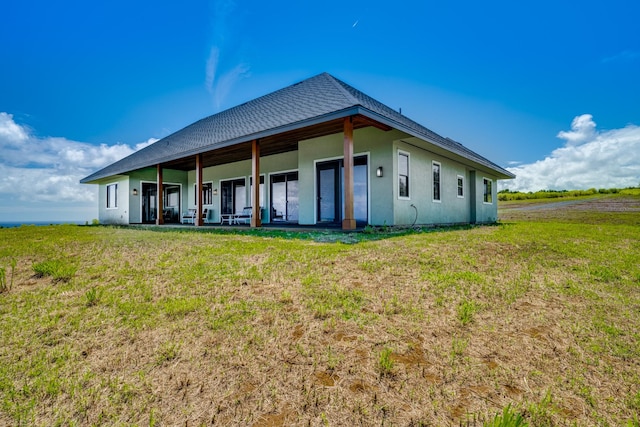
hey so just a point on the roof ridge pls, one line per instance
(338, 84)
(309, 101)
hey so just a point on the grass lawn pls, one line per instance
(124, 326)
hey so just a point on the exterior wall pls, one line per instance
(129, 209)
(136, 178)
(120, 214)
(384, 204)
(486, 213)
(420, 207)
(268, 165)
(368, 141)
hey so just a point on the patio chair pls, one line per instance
(189, 217)
(243, 217)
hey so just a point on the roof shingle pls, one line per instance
(285, 109)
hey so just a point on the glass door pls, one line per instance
(328, 192)
(360, 190)
(149, 203)
(284, 197)
(171, 199)
(233, 196)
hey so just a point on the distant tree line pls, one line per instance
(506, 194)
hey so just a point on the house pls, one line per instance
(321, 153)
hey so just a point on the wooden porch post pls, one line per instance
(160, 209)
(198, 219)
(348, 222)
(255, 172)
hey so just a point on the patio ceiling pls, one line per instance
(275, 144)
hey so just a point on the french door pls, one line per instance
(171, 203)
(284, 197)
(233, 197)
(149, 203)
(330, 191)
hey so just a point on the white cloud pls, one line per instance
(212, 67)
(583, 129)
(589, 159)
(35, 169)
(223, 67)
(139, 146)
(10, 131)
(226, 82)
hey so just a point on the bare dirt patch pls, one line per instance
(587, 210)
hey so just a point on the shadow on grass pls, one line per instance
(368, 233)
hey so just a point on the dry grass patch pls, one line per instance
(424, 328)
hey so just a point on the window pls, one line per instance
(112, 196)
(436, 181)
(460, 186)
(207, 191)
(488, 197)
(403, 174)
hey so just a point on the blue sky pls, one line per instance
(548, 88)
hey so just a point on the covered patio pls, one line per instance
(280, 141)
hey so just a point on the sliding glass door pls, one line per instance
(233, 196)
(284, 197)
(149, 203)
(330, 191)
(171, 202)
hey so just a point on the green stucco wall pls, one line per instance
(119, 215)
(451, 209)
(384, 204)
(149, 175)
(420, 207)
(372, 142)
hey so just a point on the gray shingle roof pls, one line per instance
(296, 106)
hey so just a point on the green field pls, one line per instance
(124, 326)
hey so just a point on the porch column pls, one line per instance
(198, 219)
(160, 208)
(255, 172)
(348, 222)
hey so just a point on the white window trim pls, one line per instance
(433, 199)
(483, 187)
(462, 178)
(406, 153)
(107, 197)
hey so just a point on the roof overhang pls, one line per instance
(272, 141)
(285, 138)
(462, 154)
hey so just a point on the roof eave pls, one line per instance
(350, 111)
(270, 132)
(91, 179)
(500, 172)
